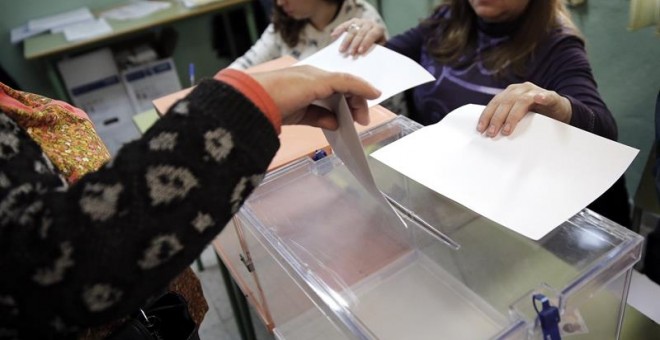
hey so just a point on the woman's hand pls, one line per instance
(508, 107)
(294, 89)
(361, 35)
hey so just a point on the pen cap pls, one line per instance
(191, 73)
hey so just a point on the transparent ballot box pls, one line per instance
(334, 263)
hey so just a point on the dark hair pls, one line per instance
(456, 35)
(288, 27)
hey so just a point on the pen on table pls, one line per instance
(191, 73)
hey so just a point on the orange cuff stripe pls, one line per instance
(253, 91)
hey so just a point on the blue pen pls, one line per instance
(191, 73)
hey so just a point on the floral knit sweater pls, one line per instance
(86, 254)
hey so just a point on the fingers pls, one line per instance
(516, 114)
(319, 117)
(356, 91)
(506, 109)
(341, 29)
(359, 109)
(361, 35)
(351, 85)
(294, 89)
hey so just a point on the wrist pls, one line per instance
(256, 93)
(567, 110)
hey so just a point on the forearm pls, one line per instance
(596, 118)
(569, 74)
(97, 251)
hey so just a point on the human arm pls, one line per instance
(268, 47)
(94, 252)
(563, 89)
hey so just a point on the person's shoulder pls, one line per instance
(562, 45)
(563, 38)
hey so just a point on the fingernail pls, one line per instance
(506, 129)
(491, 130)
(480, 127)
(360, 49)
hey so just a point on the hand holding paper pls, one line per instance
(294, 88)
(379, 67)
(530, 182)
(387, 70)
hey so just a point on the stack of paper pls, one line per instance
(86, 29)
(77, 24)
(54, 23)
(135, 10)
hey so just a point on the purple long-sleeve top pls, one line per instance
(559, 63)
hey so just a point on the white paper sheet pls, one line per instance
(529, 182)
(385, 69)
(61, 19)
(135, 10)
(86, 30)
(23, 32)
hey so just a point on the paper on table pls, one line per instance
(61, 19)
(529, 182)
(346, 144)
(385, 69)
(86, 29)
(23, 32)
(135, 10)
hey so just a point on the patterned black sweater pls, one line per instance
(80, 256)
